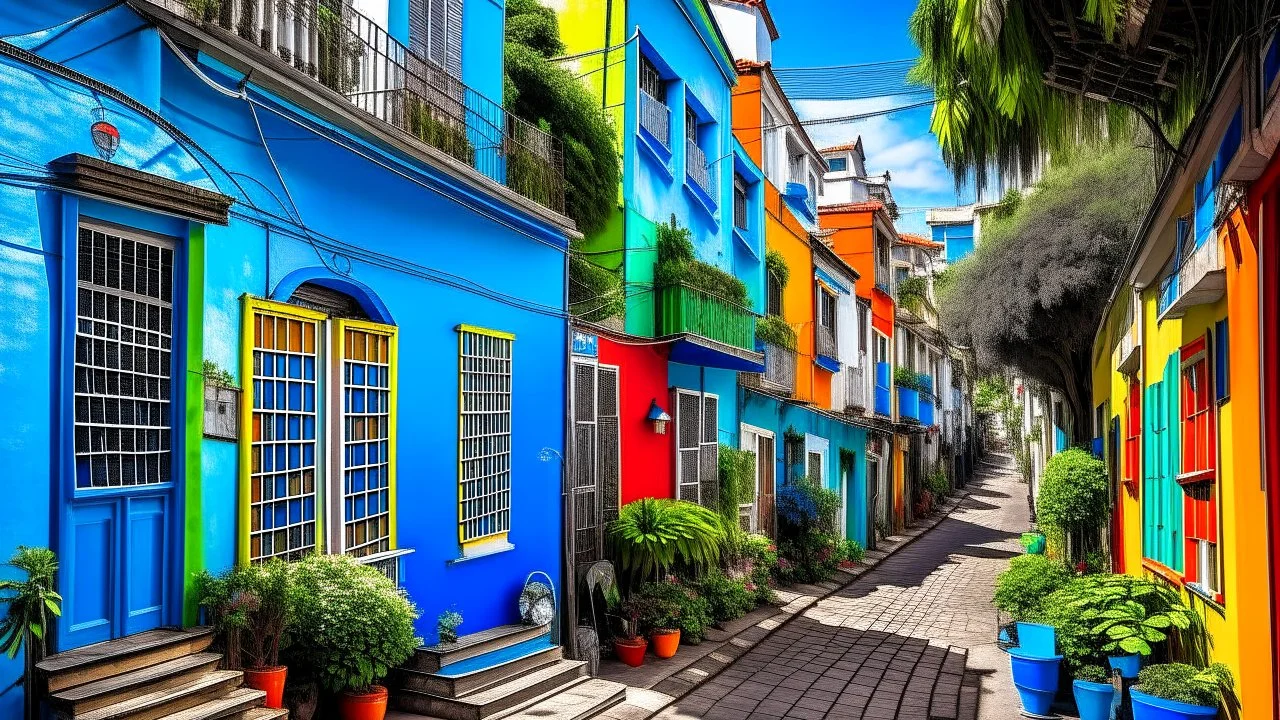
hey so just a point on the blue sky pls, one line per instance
(819, 33)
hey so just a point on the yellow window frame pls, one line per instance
(501, 538)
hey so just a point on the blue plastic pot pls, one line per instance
(1128, 665)
(1093, 700)
(1150, 707)
(1036, 679)
(1036, 640)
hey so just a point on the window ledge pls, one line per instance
(705, 201)
(1212, 599)
(1198, 476)
(482, 551)
(1163, 571)
(656, 152)
(743, 236)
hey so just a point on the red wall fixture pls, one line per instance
(647, 457)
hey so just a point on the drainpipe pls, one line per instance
(569, 579)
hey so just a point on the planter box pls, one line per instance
(1150, 707)
(908, 404)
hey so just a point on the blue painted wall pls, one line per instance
(409, 233)
(723, 383)
(957, 238)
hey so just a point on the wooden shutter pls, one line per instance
(688, 445)
(709, 453)
(608, 444)
(766, 464)
(419, 28)
(453, 38)
(585, 505)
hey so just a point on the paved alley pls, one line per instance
(911, 639)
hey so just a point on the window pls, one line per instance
(124, 362)
(813, 189)
(770, 153)
(484, 494)
(289, 408)
(1201, 508)
(1199, 442)
(814, 466)
(596, 456)
(882, 348)
(698, 448)
(691, 125)
(739, 202)
(1221, 361)
(882, 261)
(1133, 433)
(837, 164)
(775, 296)
(826, 336)
(864, 322)
(651, 80)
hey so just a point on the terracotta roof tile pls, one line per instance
(865, 206)
(919, 241)
(747, 66)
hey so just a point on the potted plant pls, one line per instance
(1128, 617)
(447, 626)
(661, 618)
(1175, 691)
(29, 603)
(352, 627)
(251, 609)
(1035, 676)
(630, 645)
(651, 535)
(1093, 693)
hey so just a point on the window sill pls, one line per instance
(1199, 476)
(1163, 571)
(705, 201)
(482, 551)
(1212, 599)
(657, 152)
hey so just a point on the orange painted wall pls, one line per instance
(748, 115)
(785, 234)
(854, 242)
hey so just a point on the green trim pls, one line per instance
(193, 531)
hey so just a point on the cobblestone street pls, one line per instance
(911, 639)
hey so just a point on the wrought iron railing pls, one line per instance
(683, 309)
(333, 44)
(826, 342)
(1188, 273)
(779, 367)
(698, 169)
(655, 118)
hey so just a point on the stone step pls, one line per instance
(239, 704)
(455, 685)
(431, 658)
(114, 657)
(114, 689)
(583, 700)
(493, 700)
(169, 701)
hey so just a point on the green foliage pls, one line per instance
(850, 551)
(548, 94)
(1008, 205)
(936, 483)
(1092, 673)
(1023, 587)
(756, 559)
(446, 134)
(992, 395)
(203, 10)
(672, 604)
(447, 625)
(913, 293)
(677, 265)
(1073, 493)
(652, 535)
(737, 482)
(728, 598)
(808, 546)
(595, 293)
(353, 624)
(905, 377)
(29, 602)
(1187, 684)
(774, 330)
(339, 51)
(775, 264)
(215, 374)
(252, 609)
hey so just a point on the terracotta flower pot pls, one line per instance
(630, 651)
(269, 680)
(665, 642)
(371, 705)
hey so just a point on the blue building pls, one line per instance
(956, 229)
(332, 222)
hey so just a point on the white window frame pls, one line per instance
(749, 439)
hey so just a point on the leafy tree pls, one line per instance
(1031, 295)
(549, 95)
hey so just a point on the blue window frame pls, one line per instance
(1221, 361)
(838, 164)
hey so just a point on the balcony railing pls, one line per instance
(884, 389)
(855, 385)
(336, 46)
(701, 172)
(655, 118)
(826, 341)
(1198, 280)
(682, 309)
(779, 371)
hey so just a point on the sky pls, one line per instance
(868, 31)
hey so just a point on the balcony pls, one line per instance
(685, 310)
(354, 57)
(884, 389)
(655, 119)
(1126, 357)
(826, 344)
(698, 170)
(1198, 280)
(855, 386)
(779, 374)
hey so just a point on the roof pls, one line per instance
(746, 67)
(764, 13)
(855, 146)
(919, 241)
(950, 215)
(864, 206)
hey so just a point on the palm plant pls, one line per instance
(652, 535)
(29, 601)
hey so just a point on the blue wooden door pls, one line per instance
(118, 523)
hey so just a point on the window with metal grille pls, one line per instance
(123, 359)
(826, 309)
(814, 466)
(367, 354)
(651, 80)
(484, 495)
(1201, 522)
(739, 203)
(775, 295)
(596, 470)
(697, 447)
(691, 125)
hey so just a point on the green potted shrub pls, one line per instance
(652, 535)
(251, 610)
(674, 613)
(29, 605)
(629, 646)
(1093, 692)
(352, 627)
(907, 382)
(1175, 691)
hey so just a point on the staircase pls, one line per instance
(513, 671)
(165, 673)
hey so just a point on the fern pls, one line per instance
(652, 535)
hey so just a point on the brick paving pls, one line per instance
(912, 639)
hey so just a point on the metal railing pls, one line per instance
(698, 169)
(683, 309)
(655, 118)
(855, 384)
(333, 44)
(826, 342)
(779, 371)
(1187, 274)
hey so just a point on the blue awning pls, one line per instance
(694, 350)
(829, 364)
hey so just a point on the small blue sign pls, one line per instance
(585, 344)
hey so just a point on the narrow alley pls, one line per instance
(911, 639)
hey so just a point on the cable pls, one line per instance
(599, 51)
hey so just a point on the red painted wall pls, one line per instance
(648, 458)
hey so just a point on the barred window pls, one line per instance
(123, 359)
(484, 491)
(366, 430)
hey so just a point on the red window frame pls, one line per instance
(1133, 437)
(1199, 434)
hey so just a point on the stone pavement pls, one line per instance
(912, 639)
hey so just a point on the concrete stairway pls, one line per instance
(512, 671)
(164, 673)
